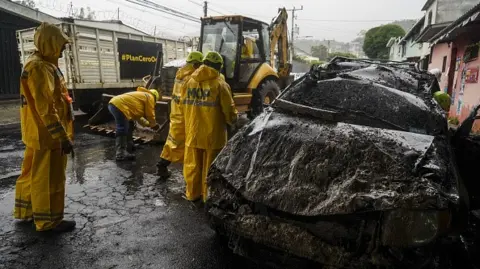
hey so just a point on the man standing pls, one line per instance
(174, 148)
(47, 132)
(127, 108)
(207, 108)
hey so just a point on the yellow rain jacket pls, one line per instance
(138, 106)
(173, 150)
(45, 110)
(207, 108)
(47, 120)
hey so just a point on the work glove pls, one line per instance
(67, 147)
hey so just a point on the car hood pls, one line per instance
(311, 167)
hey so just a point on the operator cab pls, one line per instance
(244, 44)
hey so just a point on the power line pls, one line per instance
(353, 21)
(164, 9)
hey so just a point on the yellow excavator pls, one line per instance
(256, 66)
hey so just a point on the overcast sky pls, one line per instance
(322, 19)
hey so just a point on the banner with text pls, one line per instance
(137, 58)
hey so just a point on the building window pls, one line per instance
(444, 65)
(430, 15)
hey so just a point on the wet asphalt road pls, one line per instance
(125, 218)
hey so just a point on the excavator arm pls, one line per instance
(279, 37)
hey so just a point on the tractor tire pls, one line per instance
(263, 96)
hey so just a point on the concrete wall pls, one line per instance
(396, 52)
(450, 10)
(464, 95)
(433, 9)
(440, 51)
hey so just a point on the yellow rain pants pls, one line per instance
(174, 147)
(40, 191)
(47, 121)
(195, 171)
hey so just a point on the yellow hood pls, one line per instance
(49, 41)
(204, 73)
(187, 70)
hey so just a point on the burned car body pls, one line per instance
(351, 167)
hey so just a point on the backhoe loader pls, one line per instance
(255, 66)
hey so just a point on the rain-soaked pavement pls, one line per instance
(125, 218)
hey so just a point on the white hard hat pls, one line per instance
(437, 73)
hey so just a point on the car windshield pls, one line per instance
(222, 37)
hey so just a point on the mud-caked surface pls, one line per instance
(125, 218)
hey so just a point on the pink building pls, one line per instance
(455, 52)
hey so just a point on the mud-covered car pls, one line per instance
(351, 167)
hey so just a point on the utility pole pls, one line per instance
(71, 10)
(118, 13)
(205, 8)
(292, 50)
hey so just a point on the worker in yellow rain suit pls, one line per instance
(443, 99)
(174, 147)
(207, 108)
(247, 47)
(127, 108)
(47, 132)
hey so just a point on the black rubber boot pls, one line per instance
(162, 169)
(65, 226)
(130, 143)
(120, 154)
(121, 148)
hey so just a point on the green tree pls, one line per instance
(341, 54)
(320, 51)
(27, 3)
(376, 39)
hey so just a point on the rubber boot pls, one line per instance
(65, 226)
(130, 143)
(162, 169)
(120, 154)
(121, 147)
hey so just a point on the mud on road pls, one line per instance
(125, 218)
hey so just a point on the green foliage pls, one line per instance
(341, 54)
(453, 121)
(320, 51)
(376, 39)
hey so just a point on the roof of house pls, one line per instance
(427, 4)
(416, 28)
(451, 31)
(393, 41)
(26, 12)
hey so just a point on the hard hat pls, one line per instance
(437, 73)
(195, 56)
(443, 99)
(213, 57)
(156, 94)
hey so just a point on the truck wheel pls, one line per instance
(264, 95)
